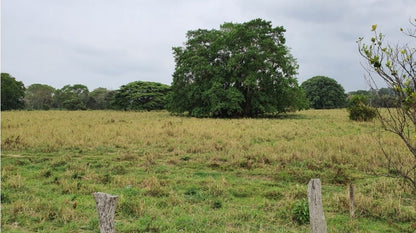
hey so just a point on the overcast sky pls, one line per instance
(109, 43)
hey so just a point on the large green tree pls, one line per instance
(324, 93)
(239, 70)
(141, 95)
(12, 93)
(39, 96)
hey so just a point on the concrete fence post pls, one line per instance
(106, 207)
(316, 212)
(352, 207)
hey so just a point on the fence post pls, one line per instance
(106, 207)
(352, 207)
(316, 212)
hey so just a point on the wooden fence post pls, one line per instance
(316, 212)
(106, 207)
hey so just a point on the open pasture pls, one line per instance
(182, 174)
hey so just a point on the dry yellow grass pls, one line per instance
(316, 136)
(306, 134)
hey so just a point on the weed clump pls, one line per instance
(4, 198)
(217, 204)
(301, 212)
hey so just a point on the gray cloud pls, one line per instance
(110, 43)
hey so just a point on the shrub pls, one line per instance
(359, 109)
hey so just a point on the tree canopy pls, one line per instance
(39, 96)
(141, 95)
(72, 97)
(100, 98)
(324, 93)
(239, 70)
(12, 93)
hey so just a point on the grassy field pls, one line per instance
(180, 174)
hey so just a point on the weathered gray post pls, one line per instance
(352, 208)
(316, 211)
(106, 207)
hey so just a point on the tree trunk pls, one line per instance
(106, 207)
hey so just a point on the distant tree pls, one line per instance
(58, 98)
(324, 93)
(395, 65)
(99, 98)
(239, 70)
(141, 95)
(360, 92)
(110, 99)
(386, 91)
(384, 97)
(39, 96)
(71, 97)
(12, 93)
(359, 109)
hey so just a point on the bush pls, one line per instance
(359, 109)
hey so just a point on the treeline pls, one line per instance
(322, 93)
(133, 96)
(381, 98)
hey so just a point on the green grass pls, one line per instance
(180, 174)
